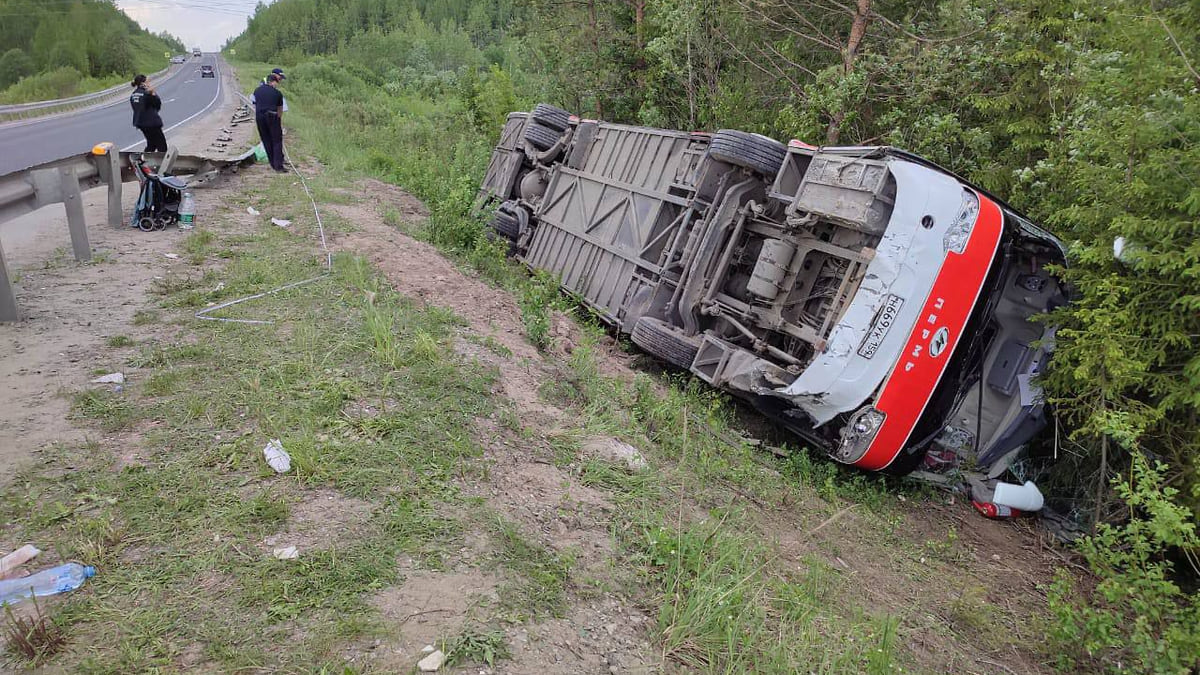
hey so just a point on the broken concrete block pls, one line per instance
(432, 663)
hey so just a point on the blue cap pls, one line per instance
(89, 572)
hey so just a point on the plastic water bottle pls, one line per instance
(187, 212)
(55, 580)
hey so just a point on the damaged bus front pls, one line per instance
(872, 302)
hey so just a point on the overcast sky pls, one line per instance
(199, 23)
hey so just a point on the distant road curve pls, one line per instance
(185, 96)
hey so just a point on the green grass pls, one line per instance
(476, 645)
(197, 245)
(725, 608)
(110, 410)
(543, 575)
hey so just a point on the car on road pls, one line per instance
(207, 71)
(177, 59)
(873, 303)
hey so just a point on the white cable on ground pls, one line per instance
(204, 313)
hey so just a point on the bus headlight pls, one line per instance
(858, 434)
(960, 230)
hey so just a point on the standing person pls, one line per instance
(268, 114)
(146, 104)
(282, 77)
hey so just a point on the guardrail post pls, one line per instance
(108, 164)
(8, 299)
(73, 201)
(168, 160)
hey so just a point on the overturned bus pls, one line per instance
(870, 301)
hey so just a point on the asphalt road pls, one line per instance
(184, 94)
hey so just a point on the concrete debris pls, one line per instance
(10, 562)
(111, 378)
(432, 663)
(616, 451)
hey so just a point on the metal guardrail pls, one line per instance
(20, 111)
(64, 180)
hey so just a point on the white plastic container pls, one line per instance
(1023, 497)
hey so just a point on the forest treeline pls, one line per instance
(58, 48)
(1085, 114)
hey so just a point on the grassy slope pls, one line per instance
(178, 531)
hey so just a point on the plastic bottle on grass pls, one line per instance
(187, 212)
(55, 580)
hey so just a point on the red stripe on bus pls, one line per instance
(923, 362)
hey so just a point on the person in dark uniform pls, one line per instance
(282, 77)
(146, 104)
(268, 114)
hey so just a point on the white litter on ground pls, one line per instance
(277, 457)
(111, 378)
(287, 553)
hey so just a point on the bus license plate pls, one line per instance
(880, 327)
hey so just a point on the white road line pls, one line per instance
(203, 110)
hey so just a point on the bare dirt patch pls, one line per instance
(319, 519)
(602, 636)
(427, 608)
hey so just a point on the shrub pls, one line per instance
(1137, 617)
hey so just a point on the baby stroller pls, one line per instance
(159, 198)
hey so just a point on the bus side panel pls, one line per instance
(595, 235)
(638, 156)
